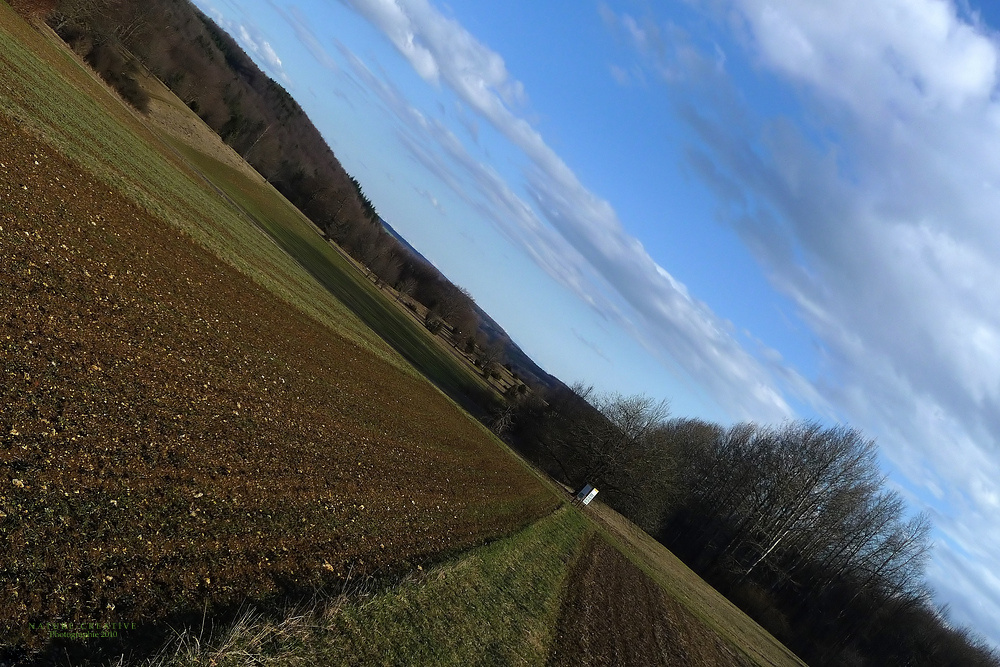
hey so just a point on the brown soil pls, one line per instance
(172, 436)
(615, 615)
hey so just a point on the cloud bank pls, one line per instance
(570, 232)
(873, 206)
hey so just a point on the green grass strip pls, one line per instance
(494, 605)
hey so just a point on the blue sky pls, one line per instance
(757, 209)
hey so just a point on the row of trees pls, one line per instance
(795, 523)
(257, 117)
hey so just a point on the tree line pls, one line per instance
(794, 523)
(257, 117)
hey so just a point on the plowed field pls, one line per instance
(615, 615)
(173, 437)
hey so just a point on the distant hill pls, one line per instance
(403, 242)
(519, 361)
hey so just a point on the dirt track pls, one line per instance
(173, 436)
(617, 616)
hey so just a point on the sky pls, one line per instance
(756, 209)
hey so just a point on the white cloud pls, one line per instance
(958, 578)
(620, 76)
(300, 24)
(870, 54)
(430, 198)
(581, 233)
(270, 57)
(886, 239)
(441, 153)
(252, 39)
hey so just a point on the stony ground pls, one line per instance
(174, 438)
(615, 615)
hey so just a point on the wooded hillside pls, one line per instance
(257, 117)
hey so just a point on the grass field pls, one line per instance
(188, 418)
(205, 404)
(559, 592)
(265, 207)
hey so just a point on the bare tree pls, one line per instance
(368, 244)
(613, 441)
(406, 287)
(465, 323)
(491, 355)
(387, 267)
(451, 301)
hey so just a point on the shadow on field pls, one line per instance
(394, 327)
(327, 265)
